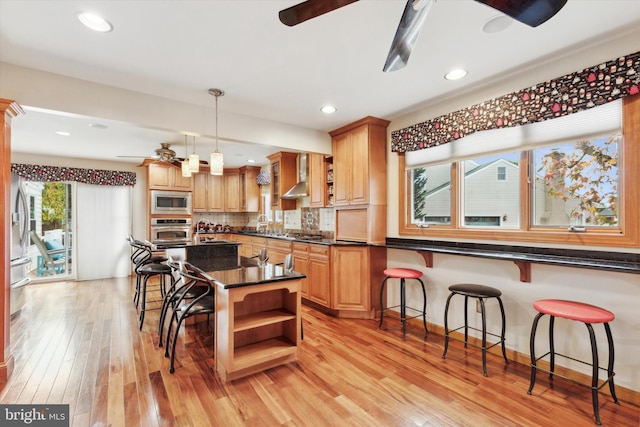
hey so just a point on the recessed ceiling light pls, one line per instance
(328, 109)
(98, 126)
(62, 133)
(455, 74)
(496, 24)
(94, 22)
(251, 161)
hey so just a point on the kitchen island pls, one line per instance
(258, 323)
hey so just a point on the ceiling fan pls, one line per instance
(164, 154)
(529, 12)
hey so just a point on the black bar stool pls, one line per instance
(589, 315)
(403, 274)
(480, 292)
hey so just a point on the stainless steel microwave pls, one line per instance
(170, 202)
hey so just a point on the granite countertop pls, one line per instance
(208, 242)
(598, 260)
(249, 273)
(305, 239)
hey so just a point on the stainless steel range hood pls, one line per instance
(301, 189)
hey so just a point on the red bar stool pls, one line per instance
(589, 315)
(480, 292)
(403, 274)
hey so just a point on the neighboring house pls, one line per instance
(497, 181)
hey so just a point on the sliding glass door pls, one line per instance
(51, 206)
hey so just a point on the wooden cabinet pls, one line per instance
(350, 276)
(208, 192)
(319, 272)
(257, 327)
(278, 249)
(283, 177)
(300, 253)
(234, 191)
(249, 189)
(314, 261)
(317, 181)
(360, 180)
(164, 177)
(231, 190)
(360, 163)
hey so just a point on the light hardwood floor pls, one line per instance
(79, 344)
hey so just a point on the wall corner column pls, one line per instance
(8, 110)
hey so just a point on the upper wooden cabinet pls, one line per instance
(249, 189)
(360, 163)
(208, 192)
(317, 181)
(234, 191)
(283, 177)
(165, 177)
(231, 190)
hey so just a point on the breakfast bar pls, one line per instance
(257, 317)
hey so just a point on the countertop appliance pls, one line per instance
(20, 259)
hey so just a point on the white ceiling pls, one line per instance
(179, 49)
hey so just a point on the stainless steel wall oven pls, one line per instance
(171, 230)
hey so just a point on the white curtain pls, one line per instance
(103, 221)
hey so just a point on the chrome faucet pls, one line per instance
(262, 221)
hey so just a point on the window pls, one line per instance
(432, 188)
(487, 200)
(502, 173)
(575, 190)
(577, 184)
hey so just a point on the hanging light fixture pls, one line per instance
(194, 159)
(186, 172)
(217, 162)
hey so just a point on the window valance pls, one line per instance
(559, 97)
(87, 176)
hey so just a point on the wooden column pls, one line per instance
(8, 110)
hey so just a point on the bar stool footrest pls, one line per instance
(554, 374)
(471, 344)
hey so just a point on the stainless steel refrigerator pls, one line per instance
(20, 260)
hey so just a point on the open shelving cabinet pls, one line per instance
(257, 327)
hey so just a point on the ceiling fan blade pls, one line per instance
(530, 12)
(309, 9)
(406, 34)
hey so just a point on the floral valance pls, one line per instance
(87, 176)
(559, 97)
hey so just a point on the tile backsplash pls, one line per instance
(306, 219)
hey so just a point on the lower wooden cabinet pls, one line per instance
(300, 253)
(278, 250)
(319, 268)
(350, 277)
(315, 261)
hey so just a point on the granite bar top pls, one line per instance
(249, 273)
(598, 260)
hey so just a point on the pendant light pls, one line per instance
(186, 172)
(194, 159)
(217, 162)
